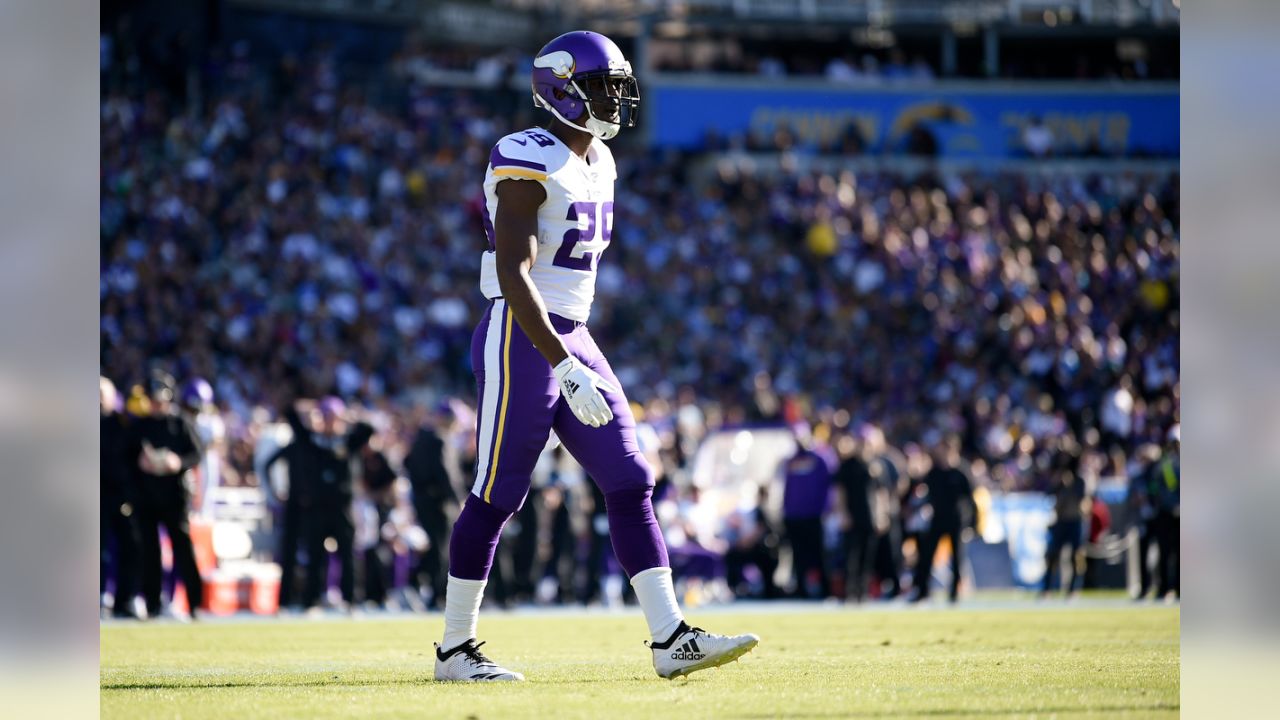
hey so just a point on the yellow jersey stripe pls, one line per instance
(520, 173)
(506, 397)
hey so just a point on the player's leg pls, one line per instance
(889, 557)
(288, 556)
(183, 551)
(957, 561)
(128, 542)
(858, 562)
(316, 583)
(1146, 540)
(517, 399)
(344, 532)
(766, 560)
(524, 556)
(924, 563)
(1075, 541)
(820, 557)
(611, 456)
(149, 533)
(432, 562)
(807, 556)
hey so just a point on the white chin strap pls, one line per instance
(598, 128)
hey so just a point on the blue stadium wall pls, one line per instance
(967, 119)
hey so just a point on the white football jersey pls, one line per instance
(211, 431)
(574, 223)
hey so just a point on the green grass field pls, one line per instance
(1021, 661)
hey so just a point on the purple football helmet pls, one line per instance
(580, 69)
(197, 393)
(444, 408)
(332, 406)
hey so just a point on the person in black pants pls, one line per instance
(856, 488)
(331, 518)
(1143, 509)
(435, 496)
(891, 484)
(598, 545)
(806, 482)
(378, 483)
(524, 552)
(560, 561)
(1166, 492)
(1071, 507)
(950, 495)
(119, 530)
(303, 458)
(752, 541)
(164, 447)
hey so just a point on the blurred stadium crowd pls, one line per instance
(301, 236)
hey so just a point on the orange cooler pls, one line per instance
(221, 594)
(264, 593)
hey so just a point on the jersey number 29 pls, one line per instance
(598, 220)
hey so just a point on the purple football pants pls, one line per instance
(519, 405)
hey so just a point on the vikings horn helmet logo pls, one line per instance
(560, 63)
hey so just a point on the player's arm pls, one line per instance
(515, 230)
(516, 243)
(193, 449)
(840, 501)
(966, 473)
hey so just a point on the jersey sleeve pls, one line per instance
(519, 158)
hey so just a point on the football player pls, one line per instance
(197, 400)
(549, 194)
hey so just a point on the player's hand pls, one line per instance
(161, 461)
(583, 389)
(146, 464)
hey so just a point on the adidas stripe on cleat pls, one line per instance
(690, 649)
(465, 662)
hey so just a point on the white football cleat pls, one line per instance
(467, 663)
(690, 649)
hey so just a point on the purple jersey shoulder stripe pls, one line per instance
(497, 159)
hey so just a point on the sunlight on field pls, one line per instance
(1111, 662)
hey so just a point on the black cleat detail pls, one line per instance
(682, 629)
(471, 649)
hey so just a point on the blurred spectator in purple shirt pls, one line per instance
(805, 499)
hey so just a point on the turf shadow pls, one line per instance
(258, 684)
(948, 712)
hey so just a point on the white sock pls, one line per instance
(657, 596)
(461, 611)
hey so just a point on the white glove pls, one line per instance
(161, 461)
(581, 387)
